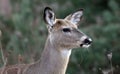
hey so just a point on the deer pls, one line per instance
(63, 37)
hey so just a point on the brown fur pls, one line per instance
(60, 23)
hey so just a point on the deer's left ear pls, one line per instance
(75, 18)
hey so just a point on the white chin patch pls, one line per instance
(85, 46)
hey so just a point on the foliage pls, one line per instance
(24, 32)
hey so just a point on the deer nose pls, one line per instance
(87, 41)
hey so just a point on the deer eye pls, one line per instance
(66, 30)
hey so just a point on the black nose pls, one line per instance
(87, 41)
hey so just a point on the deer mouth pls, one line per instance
(85, 45)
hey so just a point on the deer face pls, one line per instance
(64, 33)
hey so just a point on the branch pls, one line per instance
(3, 58)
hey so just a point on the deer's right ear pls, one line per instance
(49, 16)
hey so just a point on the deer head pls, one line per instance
(64, 33)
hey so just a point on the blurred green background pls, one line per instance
(24, 33)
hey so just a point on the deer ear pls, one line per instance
(75, 17)
(49, 16)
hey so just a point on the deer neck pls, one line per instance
(53, 60)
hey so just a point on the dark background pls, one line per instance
(24, 33)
